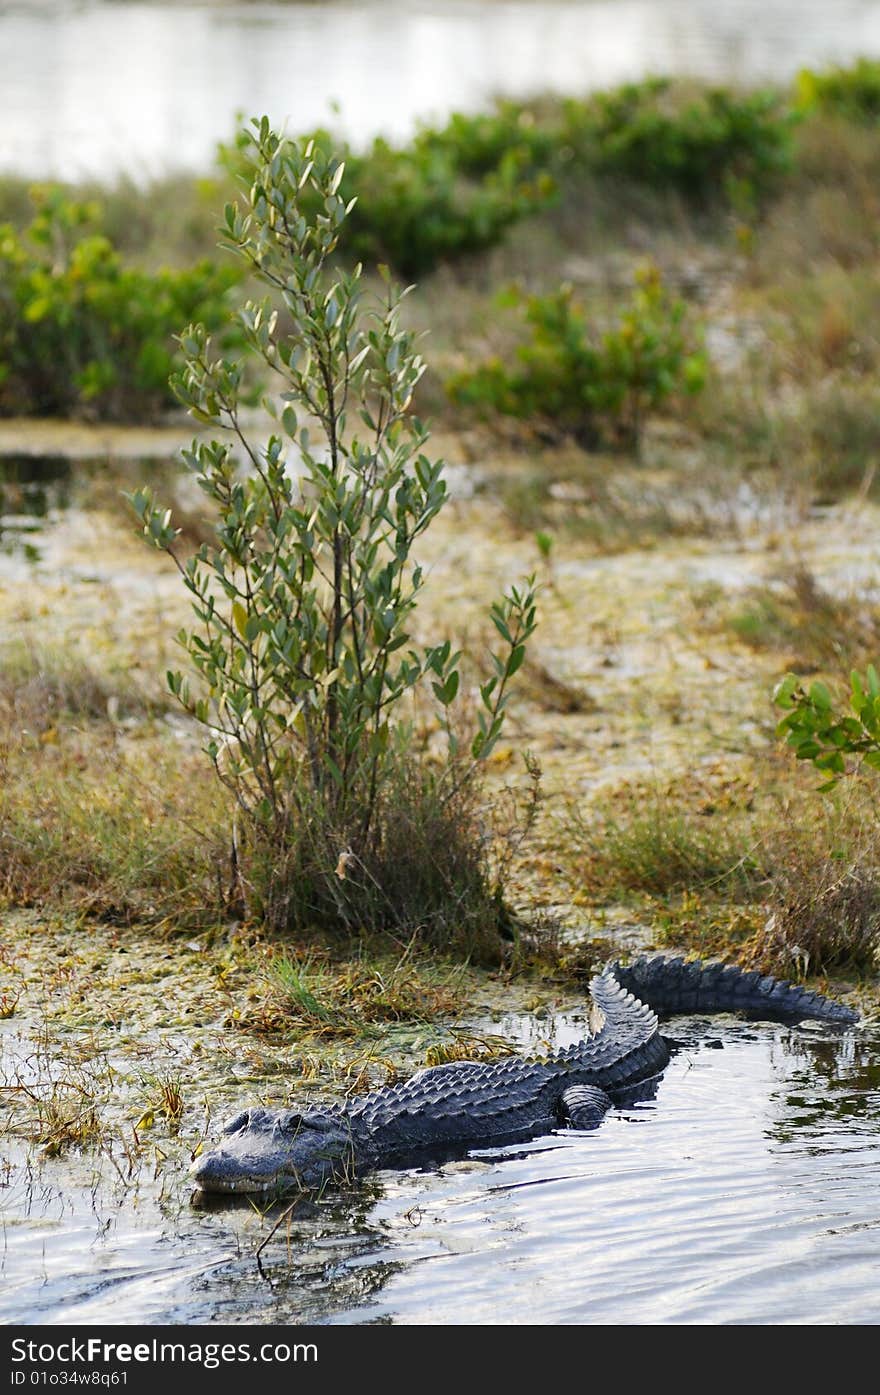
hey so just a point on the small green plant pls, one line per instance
(818, 732)
(589, 384)
(82, 333)
(306, 672)
(852, 93)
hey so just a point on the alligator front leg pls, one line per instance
(583, 1106)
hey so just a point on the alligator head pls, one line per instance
(273, 1150)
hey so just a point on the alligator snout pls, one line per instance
(264, 1150)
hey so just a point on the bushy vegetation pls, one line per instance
(416, 206)
(715, 144)
(705, 145)
(456, 189)
(819, 732)
(584, 381)
(348, 746)
(306, 671)
(852, 93)
(82, 333)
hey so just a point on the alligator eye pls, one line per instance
(289, 1123)
(239, 1121)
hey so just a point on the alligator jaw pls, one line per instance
(211, 1177)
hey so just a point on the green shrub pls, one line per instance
(818, 732)
(305, 672)
(416, 208)
(81, 332)
(852, 93)
(718, 143)
(589, 384)
(422, 204)
(511, 137)
(703, 145)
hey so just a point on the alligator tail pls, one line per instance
(677, 985)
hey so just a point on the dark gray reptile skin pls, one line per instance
(450, 1108)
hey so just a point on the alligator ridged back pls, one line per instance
(625, 1050)
(678, 985)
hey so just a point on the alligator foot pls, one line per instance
(584, 1106)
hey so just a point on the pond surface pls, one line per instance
(107, 87)
(748, 1191)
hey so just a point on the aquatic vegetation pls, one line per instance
(356, 996)
(165, 1101)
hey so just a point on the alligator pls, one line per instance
(446, 1110)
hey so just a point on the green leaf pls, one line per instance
(515, 662)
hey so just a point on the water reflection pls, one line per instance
(829, 1086)
(30, 487)
(39, 491)
(171, 78)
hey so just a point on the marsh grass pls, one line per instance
(165, 1101)
(644, 842)
(826, 211)
(801, 618)
(763, 869)
(823, 897)
(100, 811)
(58, 1104)
(329, 998)
(825, 915)
(43, 684)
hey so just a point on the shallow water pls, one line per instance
(745, 1192)
(171, 78)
